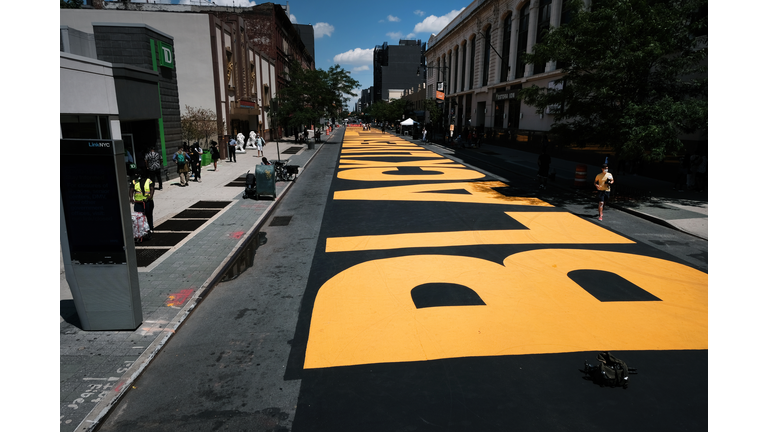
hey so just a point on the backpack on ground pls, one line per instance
(610, 371)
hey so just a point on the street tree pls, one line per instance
(635, 75)
(311, 94)
(198, 124)
(435, 111)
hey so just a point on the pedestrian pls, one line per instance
(424, 135)
(232, 144)
(194, 155)
(603, 182)
(259, 145)
(154, 164)
(215, 155)
(181, 157)
(142, 196)
(544, 161)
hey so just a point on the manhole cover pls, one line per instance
(210, 204)
(145, 257)
(280, 220)
(292, 150)
(180, 225)
(196, 214)
(164, 239)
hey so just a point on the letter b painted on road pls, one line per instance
(529, 305)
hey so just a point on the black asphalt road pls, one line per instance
(423, 295)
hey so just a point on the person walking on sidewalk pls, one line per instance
(215, 155)
(154, 165)
(142, 198)
(181, 157)
(195, 156)
(259, 145)
(603, 182)
(232, 144)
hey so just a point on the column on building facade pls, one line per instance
(533, 19)
(513, 44)
(554, 22)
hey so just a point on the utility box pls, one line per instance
(265, 180)
(96, 234)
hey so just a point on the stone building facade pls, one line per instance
(477, 58)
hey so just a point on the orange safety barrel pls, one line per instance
(581, 176)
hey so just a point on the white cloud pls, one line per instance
(419, 12)
(395, 35)
(293, 19)
(391, 18)
(323, 29)
(357, 56)
(360, 68)
(433, 24)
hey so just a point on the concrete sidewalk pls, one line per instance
(97, 367)
(651, 199)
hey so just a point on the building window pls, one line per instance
(85, 126)
(545, 13)
(448, 74)
(566, 16)
(487, 57)
(504, 71)
(472, 64)
(456, 70)
(463, 65)
(522, 41)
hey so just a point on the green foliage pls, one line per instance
(391, 111)
(312, 94)
(435, 111)
(635, 75)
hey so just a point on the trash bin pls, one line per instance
(205, 158)
(265, 180)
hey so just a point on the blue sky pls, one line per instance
(346, 32)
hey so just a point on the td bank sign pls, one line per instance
(164, 54)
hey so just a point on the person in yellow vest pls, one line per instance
(141, 197)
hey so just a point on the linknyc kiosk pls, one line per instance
(97, 236)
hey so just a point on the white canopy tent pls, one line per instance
(408, 122)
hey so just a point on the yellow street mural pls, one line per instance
(543, 228)
(366, 313)
(530, 304)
